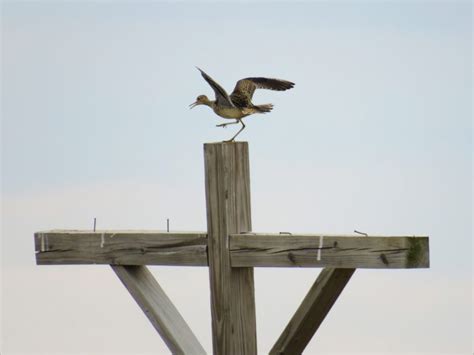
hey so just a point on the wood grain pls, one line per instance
(228, 211)
(339, 251)
(312, 311)
(121, 248)
(159, 309)
(246, 250)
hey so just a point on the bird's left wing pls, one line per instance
(222, 98)
(244, 89)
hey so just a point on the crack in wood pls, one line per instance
(392, 251)
(49, 251)
(299, 250)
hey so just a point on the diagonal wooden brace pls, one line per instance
(312, 311)
(159, 309)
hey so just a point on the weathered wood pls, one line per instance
(228, 211)
(246, 250)
(231, 252)
(159, 309)
(121, 248)
(372, 252)
(312, 311)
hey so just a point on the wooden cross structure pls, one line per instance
(230, 250)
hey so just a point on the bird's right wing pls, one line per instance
(222, 98)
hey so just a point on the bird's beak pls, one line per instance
(194, 104)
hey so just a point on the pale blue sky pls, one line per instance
(375, 136)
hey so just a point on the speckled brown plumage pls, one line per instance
(239, 104)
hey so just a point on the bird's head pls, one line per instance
(201, 100)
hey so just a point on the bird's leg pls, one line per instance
(227, 123)
(243, 126)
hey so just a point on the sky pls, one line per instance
(376, 136)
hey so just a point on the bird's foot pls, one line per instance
(222, 125)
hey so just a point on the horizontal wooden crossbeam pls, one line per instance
(121, 248)
(337, 251)
(246, 250)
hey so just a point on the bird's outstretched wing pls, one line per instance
(244, 89)
(222, 98)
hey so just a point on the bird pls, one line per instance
(239, 104)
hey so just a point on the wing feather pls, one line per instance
(222, 98)
(244, 89)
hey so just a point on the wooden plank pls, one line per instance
(247, 250)
(312, 311)
(228, 211)
(121, 248)
(159, 309)
(341, 251)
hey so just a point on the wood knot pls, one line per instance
(291, 257)
(384, 259)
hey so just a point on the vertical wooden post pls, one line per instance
(228, 212)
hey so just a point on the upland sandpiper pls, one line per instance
(239, 104)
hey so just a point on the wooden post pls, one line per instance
(231, 252)
(228, 212)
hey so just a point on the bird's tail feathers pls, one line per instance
(264, 108)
